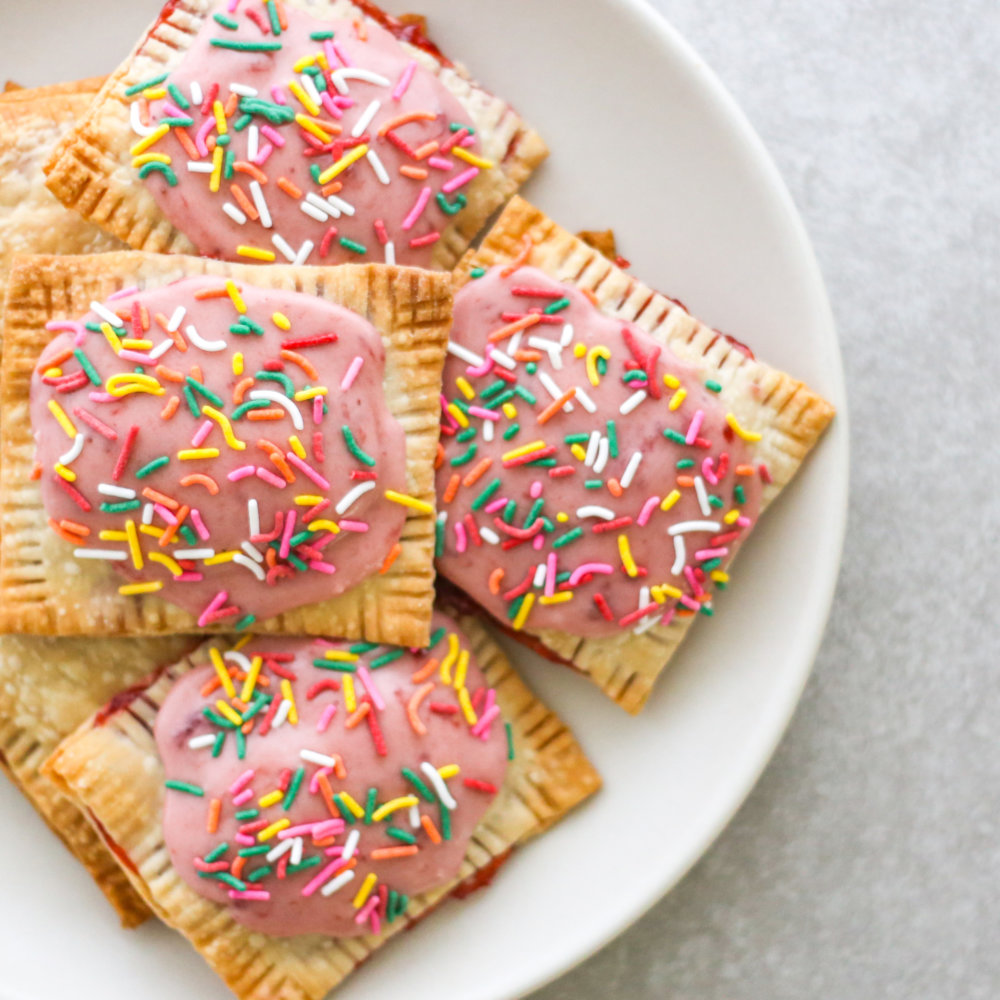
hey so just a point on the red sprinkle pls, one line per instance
(322, 338)
(78, 498)
(126, 451)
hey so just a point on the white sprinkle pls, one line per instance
(234, 213)
(680, 557)
(193, 553)
(352, 496)
(390, 252)
(253, 142)
(380, 172)
(351, 73)
(147, 513)
(541, 571)
(252, 551)
(303, 255)
(281, 245)
(309, 87)
(552, 389)
(296, 857)
(487, 430)
(351, 844)
(277, 397)
(196, 95)
(702, 494)
(630, 470)
(470, 357)
(515, 342)
(161, 348)
(196, 167)
(342, 206)
(315, 757)
(365, 120)
(115, 491)
(243, 90)
(633, 401)
(490, 535)
(284, 845)
(567, 335)
(235, 656)
(648, 620)
(200, 742)
(321, 206)
(261, 205)
(200, 342)
(313, 212)
(136, 122)
(603, 449)
(283, 709)
(440, 787)
(253, 513)
(414, 817)
(551, 347)
(98, 554)
(176, 318)
(337, 883)
(592, 445)
(585, 401)
(682, 527)
(503, 359)
(593, 510)
(250, 565)
(106, 314)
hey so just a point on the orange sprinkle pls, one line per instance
(590, 296)
(168, 374)
(415, 173)
(685, 481)
(74, 526)
(157, 497)
(425, 671)
(556, 405)
(210, 686)
(212, 293)
(391, 558)
(477, 472)
(275, 413)
(332, 188)
(144, 317)
(422, 152)
(615, 487)
(246, 205)
(214, 811)
(452, 488)
(289, 188)
(324, 788)
(744, 470)
(168, 536)
(251, 169)
(511, 328)
(36, 472)
(361, 29)
(304, 363)
(414, 703)
(277, 456)
(201, 479)
(521, 259)
(403, 851)
(430, 829)
(196, 373)
(270, 556)
(527, 355)
(357, 717)
(63, 533)
(237, 866)
(231, 105)
(496, 577)
(186, 144)
(439, 457)
(239, 390)
(57, 360)
(171, 408)
(412, 116)
(282, 19)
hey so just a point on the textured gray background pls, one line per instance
(866, 864)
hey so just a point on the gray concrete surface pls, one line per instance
(866, 864)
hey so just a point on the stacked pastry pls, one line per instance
(235, 452)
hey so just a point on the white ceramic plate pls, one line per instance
(644, 139)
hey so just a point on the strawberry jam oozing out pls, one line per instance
(225, 447)
(281, 136)
(591, 481)
(314, 786)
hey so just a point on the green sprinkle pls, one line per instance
(477, 272)
(150, 467)
(467, 435)
(525, 394)
(385, 658)
(511, 431)
(346, 813)
(245, 814)
(612, 439)
(258, 873)
(314, 170)
(228, 163)
(445, 821)
(461, 404)
(226, 22)
(451, 208)
(509, 510)
(484, 498)
(272, 13)
(602, 365)
(160, 168)
(321, 36)
(557, 306)
(222, 140)
(570, 536)
(458, 126)
(512, 609)
(563, 577)
(189, 535)
(355, 449)
(534, 511)
(713, 386)
(249, 852)
(242, 122)
(390, 907)
(249, 323)
(239, 45)
(276, 114)
(510, 741)
(531, 368)
(352, 245)
(720, 584)
(544, 462)
(711, 564)
(503, 398)
(255, 404)
(671, 435)
(344, 668)
(191, 402)
(739, 493)
(185, 786)
(439, 535)
(216, 852)
(297, 562)
(593, 484)
(362, 647)
(406, 838)
(370, 801)
(293, 787)
(183, 123)
(467, 456)
(635, 376)
(216, 719)
(490, 390)
(685, 463)
(220, 742)
(577, 438)
(139, 87)
(241, 744)
(226, 879)
(436, 636)
(414, 779)
(303, 865)
(706, 610)
(281, 378)
(245, 622)
(118, 508)
(178, 97)
(96, 328)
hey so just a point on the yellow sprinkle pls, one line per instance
(562, 517)
(215, 179)
(272, 798)
(719, 576)
(461, 670)
(133, 543)
(626, 554)
(113, 536)
(251, 682)
(352, 805)
(558, 598)
(109, 336)
(286, 691)
(463, 384)
(125, 383)
(136, 345)
(227, 428)
(743, 433)
(466, 704)
(450, 657)
(579, 350)
(671, 381)
(306, 101)
(164, 560)
(141, 161)
(350, 700)
(303, 62)
(255, 253)
(154, 93)
(324, 524)
(351, 156)
(403, 802)
(53, 372)
(341, 655)
(281, 321)
(670, 499)
(510, 411)
(308, 499)
(68, 474)
(269, 831)
(578, 453)
(412, 502)
(525, 449)
(238, 363)
(460, 418)
(592, 355)
(318, 390)
(221, 557)
(663, 591)
(476, 161)
(234, 294)
(220, 117)
(365, 891)
(310, 126)
(246, 640)
(449, 771)
(140, 588)
(228, 712)
(731, 516)
(64, 422)
(297, 446)
(677, 398)
(191, 454)
(523, 611)
(220, 668)
(150, 140)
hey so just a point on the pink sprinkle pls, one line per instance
(101, 397)
(419, 205)
(538, 542)
(494, 505)
(463, 178)
(269, 477)
(300, 830)
(536, 490)
(703, 554)
(314, 781)
(550, 575)
(232, 5)
(454, 139)
(307, 470)
(327, 101)
(334, 852)
(352, 373)
(278, 94)
(172, 112)
(199, 525)
(478, 411)
(201, 434)
(693, 580)
(286, 536)
(694, 427)
(123, 294)
(476, 370)
(326, 718)
(324, 874)
(213, 605)
(245, 796)
(245, 839)
(322, 567)
(380, 231)
(461, 543)
(668, 617)
(743, 522)
(585, 569)
(199, 140)
(376, 922)
(272, 135)
(263, 153)
(242, 781)
(359, 526)
(366, 911)
(404, 80)
(341, 54)
(708, 472)
(479, 729)
(68, 326)
(138, 357)
(445, 415)
(647, 511)
(366, 678)
(165, 513)
(255, 894)
(327, 828)
(241, 473)
(317, 409)
(188, 577)
(440, 163)
(689, 602)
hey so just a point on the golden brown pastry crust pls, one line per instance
(114, 772)
(47, 591)
(790, 416)
(91, 171)
(14, 92)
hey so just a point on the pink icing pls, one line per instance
(475, 540)
(294, 902)
(403, 210)
(304, 570)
